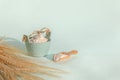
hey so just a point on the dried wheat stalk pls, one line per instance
(13, 66)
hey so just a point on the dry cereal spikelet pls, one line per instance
(13, 66)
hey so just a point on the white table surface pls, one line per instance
(87, 65)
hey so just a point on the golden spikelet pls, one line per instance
(13, 66)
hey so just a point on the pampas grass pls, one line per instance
(13, 66)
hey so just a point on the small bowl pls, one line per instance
(38, 49)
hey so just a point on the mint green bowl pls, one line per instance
(38, 49)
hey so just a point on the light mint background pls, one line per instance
(90, 26)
